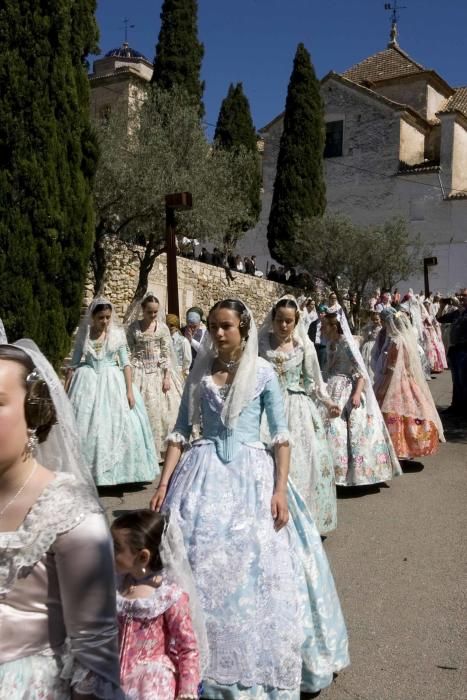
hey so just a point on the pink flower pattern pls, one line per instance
(159, 656)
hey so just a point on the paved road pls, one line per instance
(399, 560)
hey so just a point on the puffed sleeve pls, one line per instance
(85, 570)
(123, 358)
(183, 643)
(274, 406)
(165, 341)
(182, 430)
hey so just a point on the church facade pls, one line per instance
(396, 145)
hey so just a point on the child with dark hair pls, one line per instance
(159, 657)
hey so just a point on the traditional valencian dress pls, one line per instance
(362, 450)
(159, 657)
(116, 441)
(311, 463)
(406, 402)
(151, 354)
(273, 618)
(57, 607)
(369, 334)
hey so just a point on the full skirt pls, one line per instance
(35, 677)
(412, 437)
(116, 441)
(366, 351)
(162, 409)
(362, 450)
(273, 616)
(311, 463)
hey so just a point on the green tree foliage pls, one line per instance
(163, 149)
(348, 257)
(235, 131)
(47, 163)
(179, 54)
(299, 188)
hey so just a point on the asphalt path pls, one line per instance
(399, 562)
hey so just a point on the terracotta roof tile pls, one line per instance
(457, 103)
(390, 63)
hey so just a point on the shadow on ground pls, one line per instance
(359, 491)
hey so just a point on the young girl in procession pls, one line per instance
(284, 343)
(433, 340)
(402, 391)
(159, 649)
(273, 618)
(58, 620)
(113, 425)
(370, 333)
(154, 370)
(362, 449)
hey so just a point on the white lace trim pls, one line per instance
(212, 392)
(176, 438)
(154, 606)
(63, 504)
(282, 439)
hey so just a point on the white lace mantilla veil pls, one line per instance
(398, 327)
(3, 338)
(300, 335)
(60, 452)
(243, 386)
(115, 333)
(135, 313)
(177, 569)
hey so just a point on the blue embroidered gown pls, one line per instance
(116, 441)
(311, 462)
(273, 616)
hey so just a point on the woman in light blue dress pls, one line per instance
(113, 425)
(285, 344)
(273, 617)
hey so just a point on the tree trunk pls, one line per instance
(99, 262)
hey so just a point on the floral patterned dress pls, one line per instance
(150, 356)
(407, 410)
(362, 450)
(159, 657)
(311, 462)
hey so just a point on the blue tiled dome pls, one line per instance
(125, 51)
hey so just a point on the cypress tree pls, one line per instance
(299, 188)
(235, 130)
(47, 161)
(179, 54)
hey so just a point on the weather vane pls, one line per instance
(128, 26)
(394, 8)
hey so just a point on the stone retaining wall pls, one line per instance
(198, 285)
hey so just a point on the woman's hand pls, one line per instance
(166, 384)
(159, 497)
(279, 510)
(334, 411)
(131, 398)
(356, 398)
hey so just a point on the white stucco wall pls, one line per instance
(412, 143)
(363, 185)
(459, 161)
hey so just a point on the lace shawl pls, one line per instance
(62, 505)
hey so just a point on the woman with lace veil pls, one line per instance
(58, 623)
(283, 341)
(273, 618)
(113, 425)
(361, 446)
(402, 391)
(154, 369)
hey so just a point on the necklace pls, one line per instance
(150, 579)
(230, 365)
(21, 489)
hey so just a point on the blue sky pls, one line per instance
(254, 41)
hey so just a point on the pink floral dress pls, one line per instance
(159, 658)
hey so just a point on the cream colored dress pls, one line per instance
(151, 354)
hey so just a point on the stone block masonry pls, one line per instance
(198, 285)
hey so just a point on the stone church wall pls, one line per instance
(198, 285)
